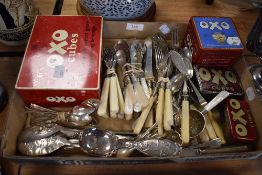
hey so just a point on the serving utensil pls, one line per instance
(97, 142)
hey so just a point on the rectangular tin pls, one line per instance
(61, 66)
(213, 41)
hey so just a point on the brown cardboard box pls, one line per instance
(112, 32)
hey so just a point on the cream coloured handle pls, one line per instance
(185, 122)
(102, 109)
(141, 98)
(114, 107)
(159, 110)
(204, 136)
(120, 76)
(150, 119)
(121, 104)
(168, 111)
(141, 120)
(210, 129)
(216, 126)
(145, 87)
(129, 101)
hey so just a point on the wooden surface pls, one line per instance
(181, 11)
(168, 11)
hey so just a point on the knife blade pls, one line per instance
(136, 52)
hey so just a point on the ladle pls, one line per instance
(97, 142)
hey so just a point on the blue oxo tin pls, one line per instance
(217, 32)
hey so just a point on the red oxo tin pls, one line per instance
(61, 66)
(214, 41)
(240, 121)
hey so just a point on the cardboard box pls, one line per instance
(214, 41)
(61, 66)
(112, 32)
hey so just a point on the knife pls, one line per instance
(136, 55)
(149, 65)
(189, 152)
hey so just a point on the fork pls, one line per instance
(110, 87)
(175, 38)
(164, 110)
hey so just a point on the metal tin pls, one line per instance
(61, 66)
(239, 121)
(213, 80)
(213, 41)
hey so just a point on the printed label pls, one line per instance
(250, 94)
(132, 26)
(59, 71)
(164, 29)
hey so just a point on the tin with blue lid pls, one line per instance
(213, 41)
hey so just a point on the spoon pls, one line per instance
(45, 130)
(45, 146)
(177, 82)
(79, 116)
(97, 142)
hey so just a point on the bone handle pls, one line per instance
(210, 129)
(141, 120)
(159, 110)
(102, 109)
(185, 122)
(140, 95)
(121, 104)
(150, 119)
(145, 87)
(204, 136)
(168, 111)
(114, 107)
(216, 126)
(120, 76)
(129, 101)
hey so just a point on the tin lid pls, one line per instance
(217, 33)
(63, 53)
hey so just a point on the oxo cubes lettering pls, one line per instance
(239, 121)
(61, 66)
(213, 41)
(214, 80)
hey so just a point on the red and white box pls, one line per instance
(62, 62)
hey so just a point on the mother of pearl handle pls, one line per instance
(129, 101)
